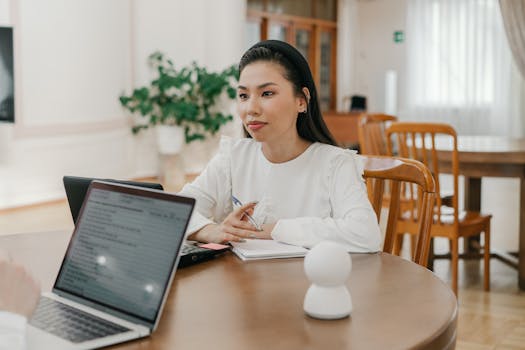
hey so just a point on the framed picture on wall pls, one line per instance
(7, 85)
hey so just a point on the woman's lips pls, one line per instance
(256, 126)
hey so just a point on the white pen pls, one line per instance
(238, 203)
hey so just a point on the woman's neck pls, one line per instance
(284, 151)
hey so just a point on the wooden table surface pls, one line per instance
(481, 156)
(229, 304)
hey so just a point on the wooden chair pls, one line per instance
(411, 173)
(371, 133)
(372, 141)
(418, 141)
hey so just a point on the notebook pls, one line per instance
(255, 249)
(192, 252)
(117, 270)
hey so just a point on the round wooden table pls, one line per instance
(229, 304)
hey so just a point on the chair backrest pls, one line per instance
(408, 172)
(371, 133)
(425, 142)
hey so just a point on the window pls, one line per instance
(453, 53)
(459, 67)
(309, 25)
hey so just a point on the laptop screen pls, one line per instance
(124, 247)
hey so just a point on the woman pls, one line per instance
(298, 187)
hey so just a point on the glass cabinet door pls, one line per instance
(303, 42)
(253, 33)
(301, 8)
(326, 68)
(278, 31)
(310, 26)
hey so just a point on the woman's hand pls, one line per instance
(19, 292)
(265, 233)
(234, 228)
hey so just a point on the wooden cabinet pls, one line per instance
(343, 126)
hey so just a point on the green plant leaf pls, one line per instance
(232, 93)
(185, 96)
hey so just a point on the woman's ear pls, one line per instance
(306, 92)
(304, 103)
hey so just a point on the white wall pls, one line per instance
(73, 58)
(210, 32)
(348, 30)
(376, 51)
(4, 12)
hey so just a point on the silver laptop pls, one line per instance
(117, 270)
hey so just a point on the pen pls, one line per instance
(250, 219)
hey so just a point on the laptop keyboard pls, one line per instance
(190, 248)
(192, 254)
(70, 323)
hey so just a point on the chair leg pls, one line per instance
(413, 246)
(454, 262)
(486, 250)
(430, 263)
(398, 243)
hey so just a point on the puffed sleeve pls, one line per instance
(12, 331)
(211, 189)
(352, 221)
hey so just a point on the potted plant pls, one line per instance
(181, 102)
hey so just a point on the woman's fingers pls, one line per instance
(242, 233)
(242, 210)
(241, 224)
(231, 238)
(234, 228)
(236, 223)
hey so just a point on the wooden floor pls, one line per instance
(494, 320)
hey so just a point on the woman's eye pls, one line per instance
(243, 96)
(267, 93)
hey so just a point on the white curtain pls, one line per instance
(460, 69)
(513, 13)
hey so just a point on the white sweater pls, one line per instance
(320, 195)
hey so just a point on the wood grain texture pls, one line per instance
(343, 126)
(487, 320)
(481, 156)
(418, 141)
(259, 305)
(400, 172)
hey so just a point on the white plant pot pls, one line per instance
(170, 139)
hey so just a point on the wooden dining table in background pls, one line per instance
(226, 303)
(479, 156)
(492, 156)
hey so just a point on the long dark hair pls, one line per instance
(310, 124)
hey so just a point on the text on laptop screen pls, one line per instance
(123, 251)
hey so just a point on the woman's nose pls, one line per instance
(253, 106)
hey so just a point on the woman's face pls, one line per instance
(267, 103)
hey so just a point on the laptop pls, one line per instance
(76, 188)
(192, 252)
(117, 270)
